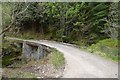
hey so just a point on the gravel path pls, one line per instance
(81, 64)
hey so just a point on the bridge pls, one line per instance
(32, 49)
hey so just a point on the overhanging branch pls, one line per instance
(6, 29)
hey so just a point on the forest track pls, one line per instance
(81, 64)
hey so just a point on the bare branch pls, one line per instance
(6, 29)
(23, 10)
(13, 17)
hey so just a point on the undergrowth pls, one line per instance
(108, 48)
(57, 58)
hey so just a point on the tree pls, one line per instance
(75, 21)
(90, 17)
(9, 14)
(66, 22)
(111, 27)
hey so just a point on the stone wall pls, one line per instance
(32, 50)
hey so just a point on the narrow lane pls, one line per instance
(81, 64)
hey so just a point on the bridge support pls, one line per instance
(34, 51)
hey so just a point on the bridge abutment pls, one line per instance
(32, 50)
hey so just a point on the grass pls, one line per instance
(107, 48)
(57, 59)
(107, 56)
(22, 75)
(113, 57)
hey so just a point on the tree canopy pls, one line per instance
(86, 22)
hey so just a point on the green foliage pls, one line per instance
(107, 47)
(78, 18)
(6, 12)
(57, 58)
(11, 50)
(66, 22)
(11, 46)
(80, 43)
